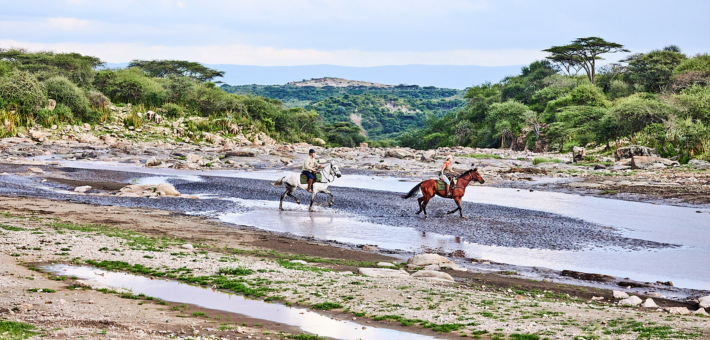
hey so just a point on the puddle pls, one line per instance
(164, 179)
(173, 291)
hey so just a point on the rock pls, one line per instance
(318, 141)
(428, 156)
(192, 158)
(187, 246)
(600, 167)
(153, 162)
(635, 150)
(588, 276)
(368, 247)
(620, 295)
(649, 303)
(54, 127)
(398, 153)
(364, 145)
(423, 260)
(82, 189)
(578, 154)
(35, 170)
(385, 264)
(701, 311)
(432, 267)
(677, 310)
(36, 135)
(298, 261)
(648, 162)
(108, 139)
(631, 301)
(704, 301)
(88, 139)
(167, 189)
(20, 135)
(51, 104)
(452, 266)
(25, 307)
(434, 274)
(241, 153)
(383, 272)
(86, 127)
(97, 285)
(699, 164)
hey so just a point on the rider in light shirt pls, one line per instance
(447, 170)
(310, 167)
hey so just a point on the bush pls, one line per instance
(97, 99)
(638, 110)
(700, 62)
(64, 91)
(173, 110)
(587, 95)
(21, 91)
(696, 103)
(618, 89)
(130, 86)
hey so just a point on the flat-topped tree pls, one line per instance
(180, 68)
(584, 52)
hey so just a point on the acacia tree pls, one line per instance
(585, 52)
(180, 68)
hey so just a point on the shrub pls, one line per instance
(173, 110)
(700, 62)
(696, 102)
(638, 110)
(130, 86)
(588, 95)
(21, 91)
(97, 99)
(64, 91)
(618, 89)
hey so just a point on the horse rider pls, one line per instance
(447, 170)
(310, 167)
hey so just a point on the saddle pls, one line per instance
(304, 179)
(441, 186)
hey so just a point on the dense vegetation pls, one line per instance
(385, 112)
(659, 99)
(83, 93)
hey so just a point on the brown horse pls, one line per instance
(428, 188)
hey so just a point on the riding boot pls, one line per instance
(451, 193)
(310, 185)
(447, 191)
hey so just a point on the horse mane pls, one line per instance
(466, 172)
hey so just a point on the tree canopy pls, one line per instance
(584, 52)
(178, 68)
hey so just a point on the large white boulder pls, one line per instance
(620, 295)
(704, 301)
(383, 272)
(649, 303)
(631, 301)
(433, 274)
(423, 260)
(167, 189)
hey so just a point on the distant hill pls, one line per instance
(445, 76)
(335, 82)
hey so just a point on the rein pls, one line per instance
(326, 174)
(470, 179)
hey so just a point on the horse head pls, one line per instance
(334, 169)
(475, 175)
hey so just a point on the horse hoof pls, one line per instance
(426, 216)
(464, 217)
(331, 204)
(298, 202)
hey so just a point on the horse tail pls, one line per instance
(413, 191)
(279, 182)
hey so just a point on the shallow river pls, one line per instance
(685, 266)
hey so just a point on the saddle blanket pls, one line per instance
(440, 185)
(304, 179)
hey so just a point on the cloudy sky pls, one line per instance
(346, 32)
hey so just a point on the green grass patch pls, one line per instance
(315, 259)
(517, 336)
(538, 160)
(238, 271)
(299, 266)
(134, 240)
(481, 156)
(12, 330)
(198, 314)
(608, 192)
(326, 306)
(303, 337)
(11, 227)
(41, 290)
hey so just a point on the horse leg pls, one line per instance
(281, 202)
(290, 193)
(332, 198)
(313, 199)
(458, 202)
(426, 201)
(420, 199)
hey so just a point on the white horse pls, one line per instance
(293, 181)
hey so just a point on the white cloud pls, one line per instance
(269, 56)
(68, 23)
(181, 4)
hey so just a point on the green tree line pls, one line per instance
(659, 98)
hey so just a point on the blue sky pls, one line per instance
(348, 32)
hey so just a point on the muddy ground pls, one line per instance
(70, 313)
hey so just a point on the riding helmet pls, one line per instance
(311, 151)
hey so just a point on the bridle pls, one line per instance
(329, 173)
(470, 174)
